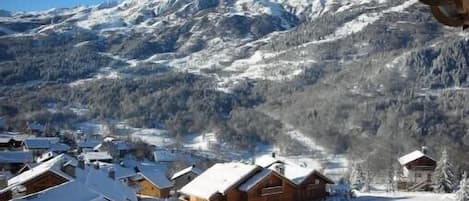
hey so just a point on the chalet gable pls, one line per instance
(414, 156)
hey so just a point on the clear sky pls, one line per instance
(32, 5)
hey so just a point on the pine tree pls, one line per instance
(357, 176)
(463, 193)
(443, 177)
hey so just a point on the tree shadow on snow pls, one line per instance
(379, 198)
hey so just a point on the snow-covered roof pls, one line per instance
(14, 135)
(121, 171)
(33, 143)
(157, 178)
(74, 190)
(87, 143)
(59, 147)
(293, 172)
(46, 156)
(50, 165)
(189, 169)
(96, 156)
(16, 157)
(94, 180)
(121, 145)
(266, 161)
(412, 157)
(165, 155)
(218, 179)
(246, 186)
(111, 189)
(5, 139)
(40, 143)
(36, 126)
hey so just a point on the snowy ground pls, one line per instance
(404, 196)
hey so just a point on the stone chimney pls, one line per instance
(425, 150)
(68, 168)
(81, 163)
(280, 168)
(273, 155)
(111, 173)
(96, 165)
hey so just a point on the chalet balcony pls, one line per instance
(272, 190)
(422, 168)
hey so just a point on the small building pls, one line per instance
(152, 183)
(35, 128)
(183, 177)
(65, 176)
(12, 140)
(87, 145)
(41, 177)
(13, 161)
(165, 155)
(417, 171)
(91, 157)
(39, 145)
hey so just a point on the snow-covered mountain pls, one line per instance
(202, 35)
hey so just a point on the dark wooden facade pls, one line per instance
(313, 187)
(184, 179)
(12, 144)
(272, 188)
(423, 163)
(41, 182)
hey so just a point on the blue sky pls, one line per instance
(32, 5)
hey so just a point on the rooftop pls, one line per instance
(216, 180)
(412, 157)
(16, 157)
(192, 169)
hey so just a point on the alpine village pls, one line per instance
(234, 100)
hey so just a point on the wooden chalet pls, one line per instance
(152, 183)
(219, 182)
(276, 181)
(66, 176)
(417, 171)
(41, 177)
(309, 183)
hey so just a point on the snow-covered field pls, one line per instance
(404, 196)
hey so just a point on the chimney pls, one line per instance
(68, 168)
(3, 181)
(280, 168)
(425, 150)
(136, 169)
(273, 155)
(81, 163)
(111, 173)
